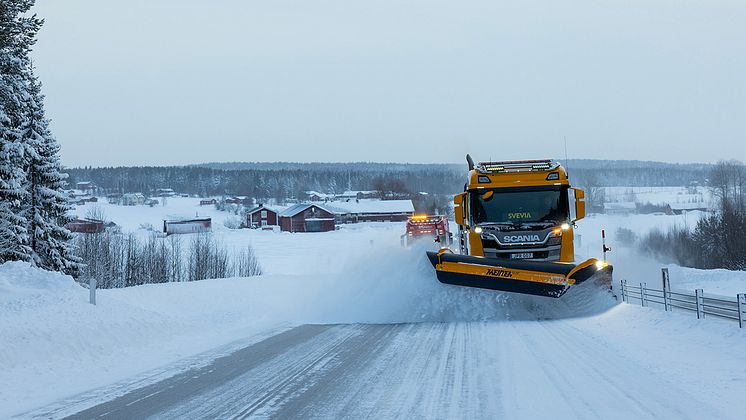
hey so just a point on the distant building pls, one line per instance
(681, 208)
(357, 195)
(306, 217)
(356, 211)
(88, 199)
(180, 226)
(74, 195)
(317, 196)
(208, 202)
(261, 216)
(238, 200)
(86, 226)
(165, 192)
(620, 208)
(87, 187)
(132, 199)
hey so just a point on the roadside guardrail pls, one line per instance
(699, 302)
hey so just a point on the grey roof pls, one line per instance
(297, 208)
(261, 207)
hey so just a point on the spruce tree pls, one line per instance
(17, 35)
(46, 209)
(33, 210)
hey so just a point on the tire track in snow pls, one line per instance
(174, 391)
(424, 371)
(260, 389)
(649, 393)
(595, 384)
(348, 361)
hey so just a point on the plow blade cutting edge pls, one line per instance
(539, 278)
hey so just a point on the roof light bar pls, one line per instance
(517, 166)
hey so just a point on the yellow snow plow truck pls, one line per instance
(515, 231)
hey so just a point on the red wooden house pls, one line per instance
(305, 217)
(261, 216)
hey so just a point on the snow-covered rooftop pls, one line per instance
(263, 207)
(297, 208)
(689, 206)
(620, 206)
(371, 206)
(353, 193)
(319, 194)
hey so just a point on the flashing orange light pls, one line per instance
(419, 217)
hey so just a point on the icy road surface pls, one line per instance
(523, 369)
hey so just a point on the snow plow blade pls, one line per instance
(538, 278)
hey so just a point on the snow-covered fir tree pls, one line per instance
(46, 209)
(17, 35)
(32, 207)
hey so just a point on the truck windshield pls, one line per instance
(516, 206)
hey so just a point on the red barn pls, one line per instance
(261, 216)
(306, 218)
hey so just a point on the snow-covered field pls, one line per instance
(659, 195)
(55, 345)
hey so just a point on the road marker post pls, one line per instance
(92, 290)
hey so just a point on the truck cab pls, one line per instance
(519, 210)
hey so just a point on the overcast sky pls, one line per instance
(157, 82)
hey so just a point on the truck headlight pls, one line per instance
(477, 230)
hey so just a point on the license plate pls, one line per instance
(523, 255)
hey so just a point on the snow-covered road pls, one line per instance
(517, 369)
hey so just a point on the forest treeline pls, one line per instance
(284, 180)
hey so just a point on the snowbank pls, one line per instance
(54, 344)
(719, 282)
(19, 282)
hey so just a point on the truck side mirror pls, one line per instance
(579, 196)
(458, 208)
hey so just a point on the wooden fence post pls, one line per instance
(624, 290)
(741, 299)
(643, 301)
